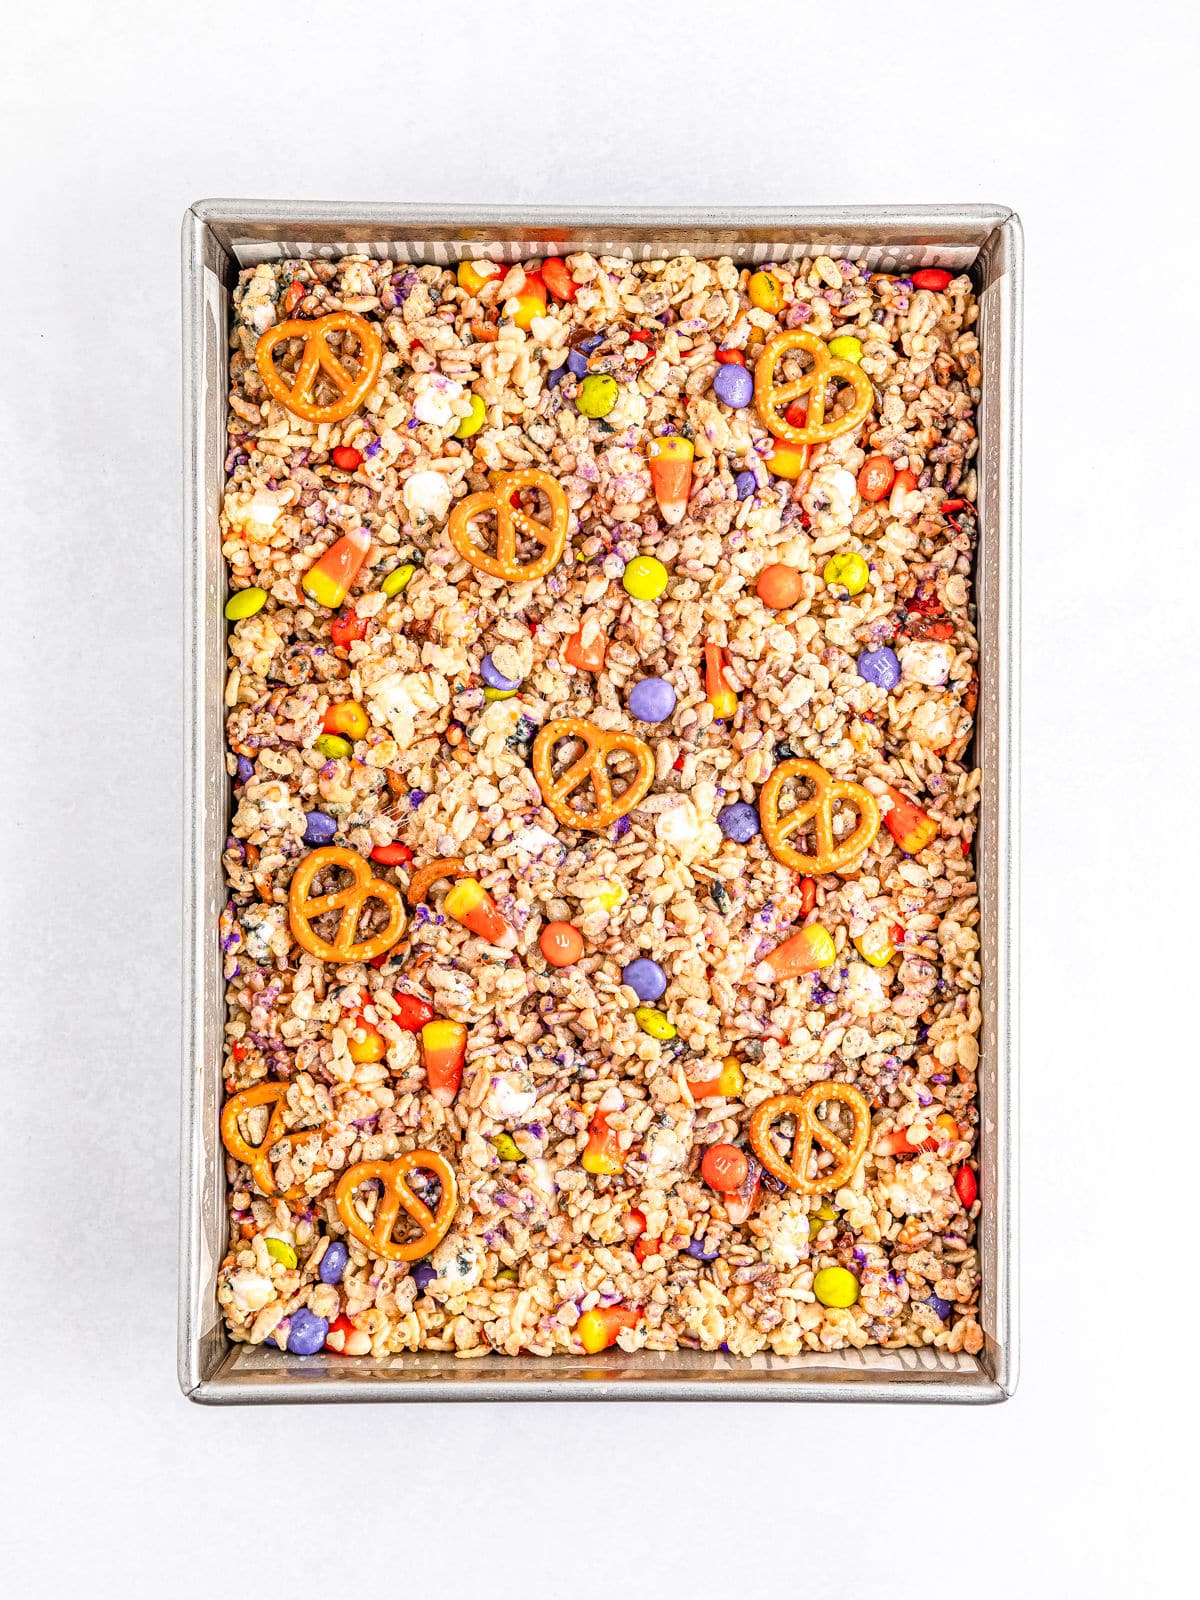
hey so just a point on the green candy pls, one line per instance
(397, 580)
(331, 746)
(506, 1147)
(597, 395)
(280, 1250)
(245, 603)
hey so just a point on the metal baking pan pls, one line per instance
(221, 236)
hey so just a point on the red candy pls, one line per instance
(966, 1186)
(808, 895)
(931, 278)
(905, 480)
(391, 855)
(347, 458)
(414, 1012)
(729, 358)
(797, 413)
(558, 279)
(346, 627)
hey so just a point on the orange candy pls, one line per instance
(372, 1046)
(561, 943)
(348, 718)
(531, 302)
(470, 903)
(587, 657)
(875, 478)
(911, 827)
(328, 580)
(602, 1153)
(723, 1167)
(779, 586)
(473, 280)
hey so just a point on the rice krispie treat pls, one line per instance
(601, 936)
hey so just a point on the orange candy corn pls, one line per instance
(598, 1328)
(585, 649)
(911, 827)
(470, 903)
(803, 952)
(328, 580)
(730, 1081)
(531, 302)
(671, 474)
(602, 1153)
(720, 696)
(444, 1046)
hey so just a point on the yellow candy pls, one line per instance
(834, 1286)
(875, 945)
(766, 292)
(597, 394)
(398, 580)
(245, 603)
(645, 578)
(732, 1080)
(472, 275)
(506, 1147)
(817, 1219)
(332, 747)
(498, 694)
(846, 347)
(787, 460)
(724, 703)
(654, 1023)
(849, 572)
(610, 897)
(474, 419)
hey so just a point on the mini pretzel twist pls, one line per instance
(818, 809)
(318, 357)
(592, 764)
(258, 1157)
(303, 910)
(433, 872)
(809, 1127)
(377, 1234)
(511, 520)
(771, 399)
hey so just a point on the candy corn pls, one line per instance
(365, 1042)
(740, 1202)
(585, 649)
(803, 952)
(344, 1338)
(598, 1329)
(671, 474)
(897, 1142)
(328, 580)
(729, 1082)
(472, 275)
(602, 1153)
(444, 1045)
(911, 827)
(531, 302)
(470, 903)
(875, 945)
(720, 696)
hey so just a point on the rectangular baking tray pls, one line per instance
(220, 237)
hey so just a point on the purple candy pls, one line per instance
(942, 1307)
(319, 828)
(423, 1275)
(577, 362)
(734, 386)
(746, 484)
(651, 700)
(245, 770)
(738, 821)
(646, 978)
(880, 667)
(695, 1247)
(592, 342)
(555, 376)
(307, 1333)
(334, 1262)
(494, 678)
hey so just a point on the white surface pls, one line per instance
(113, 119)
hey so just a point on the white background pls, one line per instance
(113, 118)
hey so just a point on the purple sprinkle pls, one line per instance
(373, 448)
(623, 826)
(245, 769)
(417, 797)
(411, 423)
(942, 1307)
(423, 1275)
(536, 1129)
